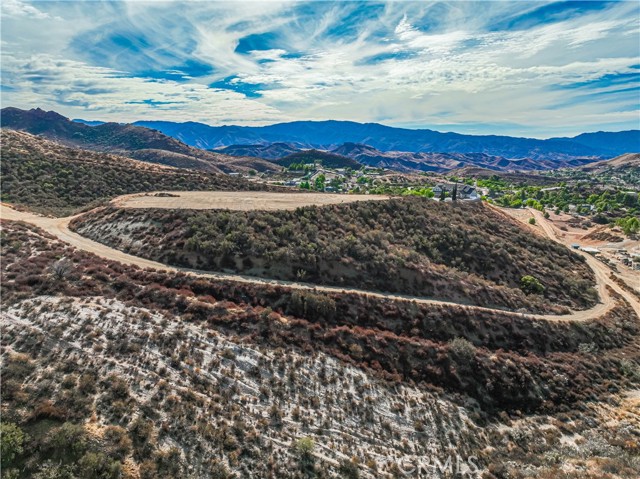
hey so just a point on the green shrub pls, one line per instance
(463, 350)
(96, 465)
(11, 441)
(531, 285)
(348, 469)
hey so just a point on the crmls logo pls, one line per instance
(452, 466)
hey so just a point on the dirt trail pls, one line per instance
(600, 269)
(59, 227)
(238, 200)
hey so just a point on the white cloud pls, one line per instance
(16, 8)
(109, 94)
(404, 63)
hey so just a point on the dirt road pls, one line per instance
(59, 227)
(238, 200)
(600, 269)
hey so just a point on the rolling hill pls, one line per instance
(443, 162)
(405, 161)
(51, 178)
(330, 160)
(409, 246)
(111, 369)
(621, 162)
(272, 151)
(128, 140)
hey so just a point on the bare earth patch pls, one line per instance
(238, 200)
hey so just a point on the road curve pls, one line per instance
(59, 227)
(600, 269)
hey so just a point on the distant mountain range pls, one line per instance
(329, 135)
(235, 148)
(440, 162)
(128, 140)
(353, 155)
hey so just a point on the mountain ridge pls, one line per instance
(405, 161)
(128, 140)
(330, 134)
(260, 148)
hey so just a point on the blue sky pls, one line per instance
(519, 68)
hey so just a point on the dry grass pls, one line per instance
(239, 200)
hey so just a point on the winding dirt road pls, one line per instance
(600, 269)
(59, 227)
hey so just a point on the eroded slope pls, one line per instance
(115, 370)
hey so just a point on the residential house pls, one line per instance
(328, 175)
(465, 192)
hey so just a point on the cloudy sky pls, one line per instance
(518, 68)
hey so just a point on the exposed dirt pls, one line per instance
(523, 216)
(602, 271)
(238, 200)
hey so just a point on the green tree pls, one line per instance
(532, 221)
(531, 285)
(12, 438)
(304, 450)
(319, 183)
(630, 226)
(304, 447)
(335, 182)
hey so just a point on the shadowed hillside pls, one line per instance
(330, 160)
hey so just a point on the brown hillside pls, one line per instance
(51, 178)
(128, 140)
(464, 252)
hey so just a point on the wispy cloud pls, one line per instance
(17, 8)
(539, 69)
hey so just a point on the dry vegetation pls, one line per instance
(52, 179)
(113, 370)
(465, 252)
